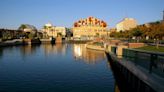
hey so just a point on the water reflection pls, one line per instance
(80, 52)
(57, 48)
(28, 50)
(47, 49)
(87, 55)
(60, 73)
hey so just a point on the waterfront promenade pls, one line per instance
(142, 70)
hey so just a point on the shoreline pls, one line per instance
(18, 42)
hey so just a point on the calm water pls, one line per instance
(54, 68)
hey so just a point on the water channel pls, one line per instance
(55, 68)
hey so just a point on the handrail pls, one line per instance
(153, 61)
(147, 52)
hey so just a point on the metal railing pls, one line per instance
(114, 49)
(152, 61)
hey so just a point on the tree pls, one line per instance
(44, 27)
(137, 33)
(158, 32)
(59, 34)
(31, 36)
(22, 27)
(97, 35)
(114, 34)
(39, 35)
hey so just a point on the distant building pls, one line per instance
(113, 29)
(10, 34)
(89, 28)
(28, 28)
(126, 24)
(53, 31)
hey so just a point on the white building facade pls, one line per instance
(126, 24)
(53, 31)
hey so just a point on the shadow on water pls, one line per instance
(121, 84)
(1, 53)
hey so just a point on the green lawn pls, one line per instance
(152, 48)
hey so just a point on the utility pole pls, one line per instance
(163, 15)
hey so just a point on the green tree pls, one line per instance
(59, 34)
(137, 33)
(97, 34)
(31, 36)
(22, 27)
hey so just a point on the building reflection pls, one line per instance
(54, 49)
(116, 88)
(78, 51)
(47, 49)
(87, 55)
(29, 49)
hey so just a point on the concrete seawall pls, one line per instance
(137, 78)
(95, 47)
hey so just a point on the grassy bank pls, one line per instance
(152, 48)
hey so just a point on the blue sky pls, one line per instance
(13, 13)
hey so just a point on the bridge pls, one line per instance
(137, 70)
